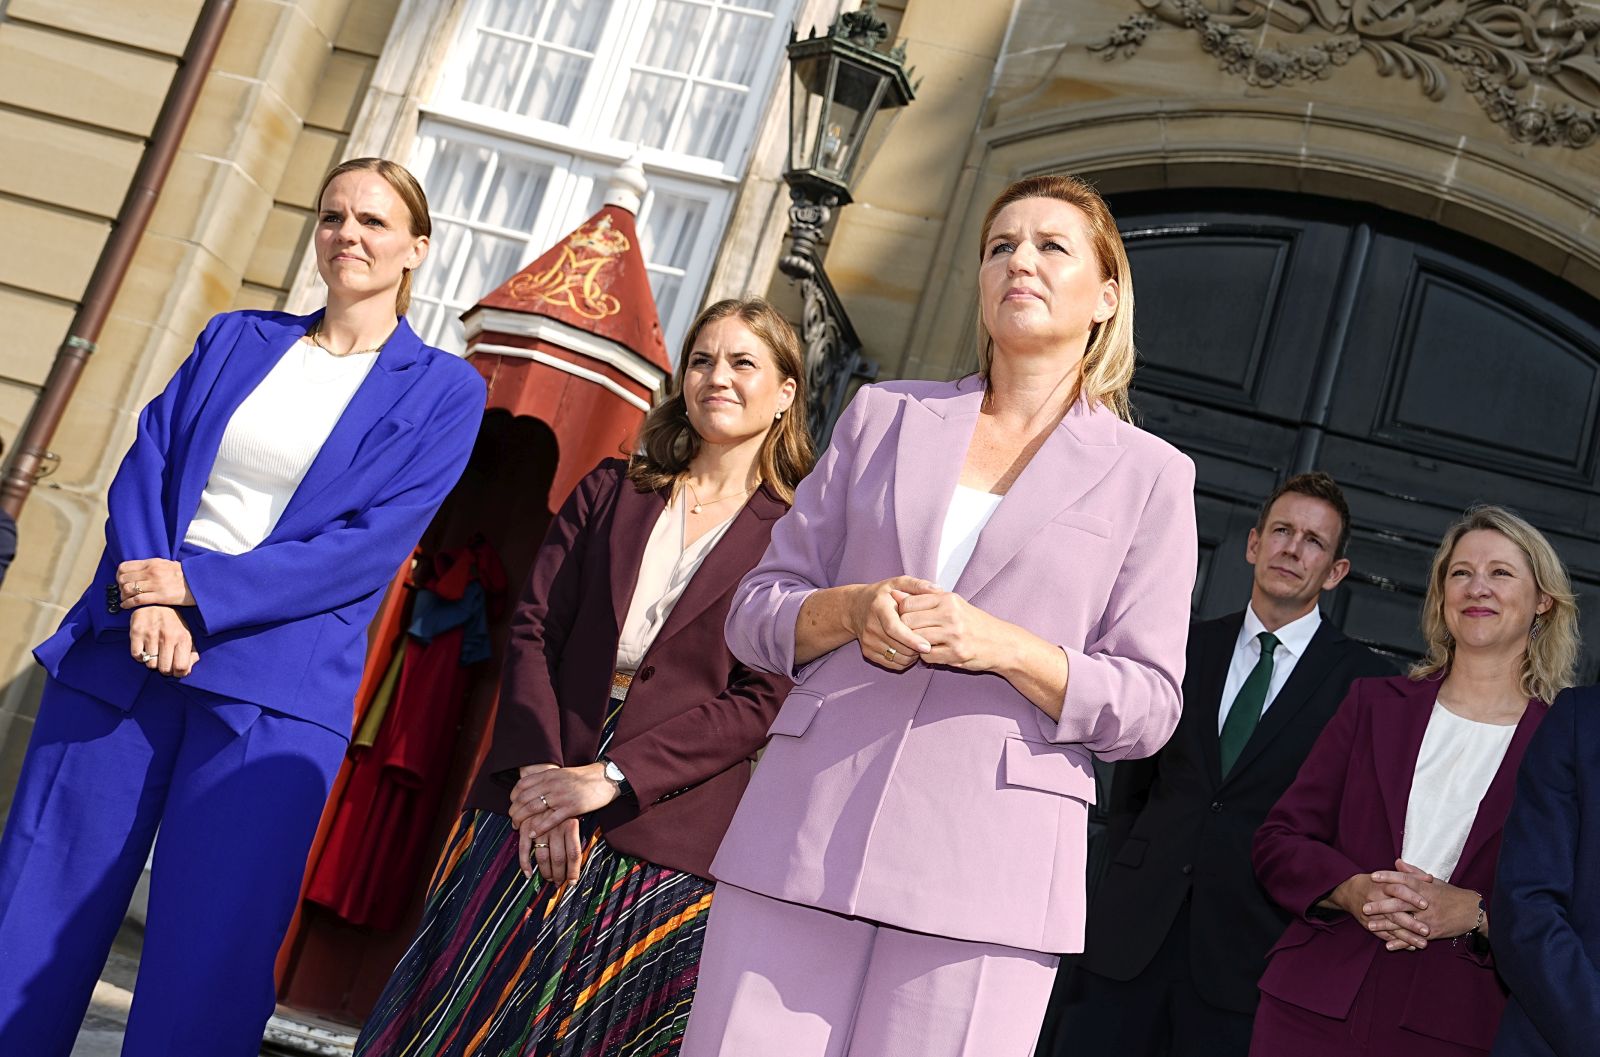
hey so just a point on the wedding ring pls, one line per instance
(545, 802)
(135, 588)
(148, 657)
(538, 845)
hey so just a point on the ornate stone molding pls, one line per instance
(1508, 54)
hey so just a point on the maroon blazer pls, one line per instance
(1344, 815)
(695, 716)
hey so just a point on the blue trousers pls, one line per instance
(237, 810)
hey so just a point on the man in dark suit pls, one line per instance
(1545, 921)
(1179, 929)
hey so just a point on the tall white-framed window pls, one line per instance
(541, 99)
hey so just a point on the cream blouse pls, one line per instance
(666, 570)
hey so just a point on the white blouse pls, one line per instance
(270, 443)
(970, 510)
(665, 572)
(1458, 760)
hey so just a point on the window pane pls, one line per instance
(493, 71)
(647, 109)
(668, 233)
(577, 23)
(490, 262)
(675, 32)
(758, 5)
(516, 16)
(515, 193)
(734, 48)
(666, 287)
(712, 120)
(553, 87)
(454, 176)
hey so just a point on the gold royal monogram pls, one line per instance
(573, 281)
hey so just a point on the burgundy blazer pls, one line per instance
(1344, 815)
(695, 716)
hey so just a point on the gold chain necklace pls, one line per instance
(698, 505)
(316, 339)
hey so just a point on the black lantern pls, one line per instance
(838, 84)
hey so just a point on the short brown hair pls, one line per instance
(410, 191)
(1317, 485)
(1108, 361)
(667, 440)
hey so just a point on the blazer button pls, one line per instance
(645, 674)
(1187, 869)
(1216, 807)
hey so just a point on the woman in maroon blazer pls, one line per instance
(1385, 845)
(570, 903)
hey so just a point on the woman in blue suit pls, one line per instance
(203, 683)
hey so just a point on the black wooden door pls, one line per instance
(1423, 370)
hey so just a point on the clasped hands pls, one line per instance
(1407, 907)
(546, 803)
(158, 637)
(905, 619)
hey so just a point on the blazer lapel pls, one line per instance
(1306, 678)
(633, 516)
(237, 379)
(934, 436)
(1072, 460)
(1396, 740)
(386, 382)
(725, 565)
(1208, 687)
(1496, 802)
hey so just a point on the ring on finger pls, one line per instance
(890, 652)
(538, 845)
(148, 658)
(545, 802)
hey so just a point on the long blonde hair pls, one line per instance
(410, 191)
(1552, 655)
(667, 440)
(1108, 361)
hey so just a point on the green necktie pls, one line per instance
(1246, 710)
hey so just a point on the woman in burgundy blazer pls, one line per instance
(1385, 845)
(570, 902)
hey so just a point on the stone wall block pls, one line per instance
(275, 43)
(315, 152)
(339, 95)
(245, 121)
(82, 80)
(35, 327)
(62, 249)
(64, 164)
(212, 202)
(278, 249)
(366, 26)
(154, 25)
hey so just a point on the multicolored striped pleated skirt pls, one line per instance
(504, 966)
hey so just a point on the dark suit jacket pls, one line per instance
(695, 716)
(1546, 917)
(1179, 828)
(1344, 815)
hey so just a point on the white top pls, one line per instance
(1293, 638)
(1458, 760)
(270, 443)
(970, 510)
(666, 570)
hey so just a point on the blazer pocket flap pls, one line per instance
(1041, 765)
(799, 709)
(1098, 526)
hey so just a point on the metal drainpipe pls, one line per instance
(31, 447)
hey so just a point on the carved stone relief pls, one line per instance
(1533, 65)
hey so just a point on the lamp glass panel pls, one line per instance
(855, 98)
(807, 85)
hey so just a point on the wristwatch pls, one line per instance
(615, 776)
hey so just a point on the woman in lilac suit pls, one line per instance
(983, 582)
(1385, 845)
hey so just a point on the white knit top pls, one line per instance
(970, 510)
(270, 443)
(1457, 761)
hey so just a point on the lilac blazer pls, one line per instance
(939, 800)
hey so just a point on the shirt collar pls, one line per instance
(1294, 636)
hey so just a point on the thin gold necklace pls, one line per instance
(316, 339)
(698, 505)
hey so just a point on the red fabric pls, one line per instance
(380, 832)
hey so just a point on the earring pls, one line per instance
(1538, 625)
(778, 416)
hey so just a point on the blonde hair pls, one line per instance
(1552, 654)
(667, 440)
(416, 202)
(1108, 361)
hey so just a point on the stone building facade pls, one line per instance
(1470, 125)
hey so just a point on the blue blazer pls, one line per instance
(1545, 928)
(281, 626)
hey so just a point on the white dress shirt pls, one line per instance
(664, 574)
(1293, 638)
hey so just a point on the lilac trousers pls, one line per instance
(783, 980)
